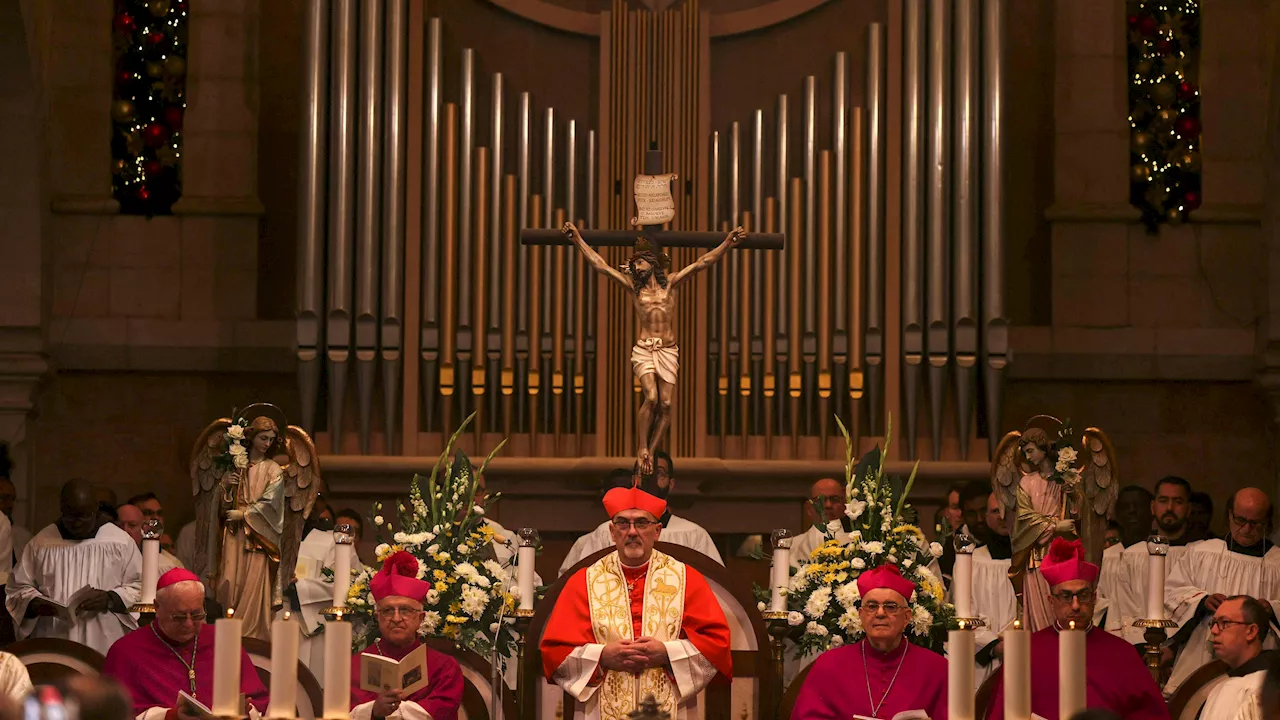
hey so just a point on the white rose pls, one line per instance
(761, 606)
(795, 619)
(1067, 455)
(477, 510)
(892, 559)
(814, 628)
(433, 549)
(836, 641)
(935, 549)
(377, 520)
(241, 461)
(399, 537)
(235, 432)
(236, 450)
(464, 548)
(834, 527)
(382, 549)
(857, 563)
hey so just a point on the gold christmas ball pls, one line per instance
(155, 69)
(1141, 140)
(158, 8)
(1189, 160)
(122, 111)
(133, 141)
(1140, 172)
(175, 66)
(1164, 93)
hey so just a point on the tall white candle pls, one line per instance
(962, 585)
(780, 576)
(226, 666)
(150, 570)
(337, 669)
(527, 556)
(1071, 679)
(341, 574)
(1017, 673)
(284, 668)
(960, 685)
(1155, 587)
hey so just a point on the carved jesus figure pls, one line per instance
(655, 358)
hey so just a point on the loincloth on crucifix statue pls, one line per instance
(651, 355)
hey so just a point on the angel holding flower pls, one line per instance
(1046, 491)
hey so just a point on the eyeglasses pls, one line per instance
(640, 524)
(183, 617)
(1222, 625)
(823, 499)
(1066, 596)
(1243, 523)
(390, 613)
(874, 607)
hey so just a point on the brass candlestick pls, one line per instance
(778, 631)
(1154, 636)
(523, 681)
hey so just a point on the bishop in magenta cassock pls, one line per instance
(1116, 679)
(635, 623)
(175, 654)
(900, 678)
(399, 595)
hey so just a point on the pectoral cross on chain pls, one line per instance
(655, 355)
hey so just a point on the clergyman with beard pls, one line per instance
(1171, 508)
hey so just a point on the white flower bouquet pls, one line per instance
(235, 456)
(443, 526)
(1064, 453)
(823, 596)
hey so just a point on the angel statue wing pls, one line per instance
(1006, 473)
(302, 484)
(206, 479)
(1099, 484)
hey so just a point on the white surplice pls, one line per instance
(1231, 696)
(6, 549)
(185, 544)
(55, 568)
(15, 682)
(994, 602)
(1208, 568)
(21, 536)
(1129, 594)
(677, 532)
(803, 545)
(1108, 578)
(317, 552)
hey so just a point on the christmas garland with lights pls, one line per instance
(149, 40)
(1164, 109)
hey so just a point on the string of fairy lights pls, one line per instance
(149, 100)
(1164, 109)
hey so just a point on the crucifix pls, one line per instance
(655, 355)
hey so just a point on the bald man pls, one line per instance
(78, 554)
(1242, 563)
(827, 494)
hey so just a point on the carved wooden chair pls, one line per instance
(749, 642)
(477, 688)
(50, 660)
(310, 695)
(1187, 702)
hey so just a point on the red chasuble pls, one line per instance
(146, 665)
(443, 693)
(703, 623)
(1115, 679)
(840, 685)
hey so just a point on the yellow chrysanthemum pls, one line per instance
(439, 574)
(911, 530)
(451, 631)
(442, 587)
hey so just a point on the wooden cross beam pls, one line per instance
(657, 237)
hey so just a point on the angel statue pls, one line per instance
(1048, 487)
(255, 480)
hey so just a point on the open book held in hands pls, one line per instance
(191, 706)
(904, 715)
(69, 612)
(379, 674)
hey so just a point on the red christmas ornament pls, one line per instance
(142, 193)
(155, 38)
(1164, 47)
(124, 77)
(125, 24)
(1186, 91)
(1133, 22)
(1191, 200)
(155, 134)
(152, 167)
(1187, 126)
(1148, 26)
(180, 6)
(173, 117)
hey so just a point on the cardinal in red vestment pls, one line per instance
(399, 595)
(1116, 679)
(901, 679)
(175, 654)
(636, 623)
